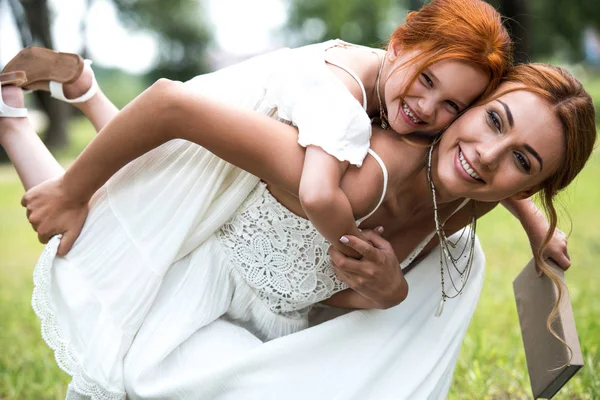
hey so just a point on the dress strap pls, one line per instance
(356, 78)
(385, 183)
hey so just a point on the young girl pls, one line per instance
(436, 65)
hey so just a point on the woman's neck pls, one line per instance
(415, 189)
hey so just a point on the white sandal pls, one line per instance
(8, 111)
(38, 64)
(56, 89)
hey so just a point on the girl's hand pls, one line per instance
(51, 211)
(377, 275)
(556, 249)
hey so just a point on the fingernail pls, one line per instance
(360, 230)
(344, 239)
(379, 229)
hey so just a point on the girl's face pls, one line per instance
(435, 98)
(503, 148)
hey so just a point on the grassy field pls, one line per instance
(491, 363)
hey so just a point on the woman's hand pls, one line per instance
(51, 211)
(377, 274)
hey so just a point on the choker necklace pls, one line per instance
(446, 256)
(382, 114)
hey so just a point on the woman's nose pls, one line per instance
(489, 154)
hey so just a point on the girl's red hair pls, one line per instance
(465, 30)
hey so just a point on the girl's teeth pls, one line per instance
(409, 113)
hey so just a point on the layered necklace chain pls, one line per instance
(382, 114)
(447, 259)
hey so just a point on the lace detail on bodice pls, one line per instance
(281, 255)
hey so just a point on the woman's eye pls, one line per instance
(522, 160)
(453, 105)
(495, 119)
(427, 80)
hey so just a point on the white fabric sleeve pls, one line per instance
(323, 109)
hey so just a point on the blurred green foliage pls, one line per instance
(552, 26)
(181, 31)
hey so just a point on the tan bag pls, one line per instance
(549, 361)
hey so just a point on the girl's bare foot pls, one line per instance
(13, 97)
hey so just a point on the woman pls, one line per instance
(502, 156)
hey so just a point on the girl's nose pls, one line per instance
(426, 108)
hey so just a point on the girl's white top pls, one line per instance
(305, 92)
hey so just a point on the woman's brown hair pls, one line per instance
(575, 110)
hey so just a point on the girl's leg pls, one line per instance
(32, 160)
(99, 109)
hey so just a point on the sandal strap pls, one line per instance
(56, 90)
(8, 111)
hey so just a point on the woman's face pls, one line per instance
(435, 98)
(503, 148)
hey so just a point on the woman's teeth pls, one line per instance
(467, 167)
(409, 113)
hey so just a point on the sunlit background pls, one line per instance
(134, 42)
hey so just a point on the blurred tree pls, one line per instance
(178, 26)
(540, 28)
(182, 34)
(518, 21)
(368, 23)
(557, 26)
(33, 22)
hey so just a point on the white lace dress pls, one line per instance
(186, 265)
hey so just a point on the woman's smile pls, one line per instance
(490, 146)
(465, 168)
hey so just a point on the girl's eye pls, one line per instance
(495, 119)
(522, 160)
(427, 79)
(453, 105)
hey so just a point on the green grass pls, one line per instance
(491, 363)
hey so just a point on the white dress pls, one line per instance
(151, 297)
